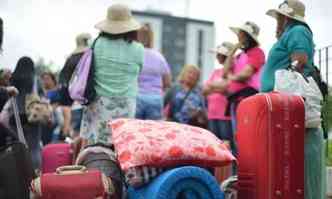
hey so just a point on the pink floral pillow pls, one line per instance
(166, 144)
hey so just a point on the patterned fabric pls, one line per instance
(194, 101)
(166, 144)
(139, 176)
(97, 114)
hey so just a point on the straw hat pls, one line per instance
(119, 20)
(249, 27)
(290, 8)
(224, 49)
(81, 42)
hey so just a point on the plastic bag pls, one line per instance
(292, 82)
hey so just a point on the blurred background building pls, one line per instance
(181, 40)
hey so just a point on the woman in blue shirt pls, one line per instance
(185, 97)
(295, 43)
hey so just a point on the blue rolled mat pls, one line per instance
(180, 183)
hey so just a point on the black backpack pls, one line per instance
(324, 89)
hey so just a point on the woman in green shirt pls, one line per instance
(295, 43)
(118, 60)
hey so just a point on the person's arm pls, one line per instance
(220, 86)
(167, 80)
(256, 60)
(229, 60)
(299, 44)
(299, 60)
(207, 89)
(244, 75)
(165, 72)
(66, 120)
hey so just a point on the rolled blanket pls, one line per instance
(184, 182)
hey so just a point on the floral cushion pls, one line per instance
(163, 144)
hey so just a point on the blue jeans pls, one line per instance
(221, 128)
(234, 123)
(149, 107)
(233, 117)
(76, 119)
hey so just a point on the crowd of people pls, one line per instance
(133, 80)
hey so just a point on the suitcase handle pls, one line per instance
(69, 170)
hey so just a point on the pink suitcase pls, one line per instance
(56, 155)
(73, 182)
(270, 139)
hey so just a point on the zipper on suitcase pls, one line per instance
(269, 103)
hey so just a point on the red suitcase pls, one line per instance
(56, 155)
(73, 182)
(270, 139)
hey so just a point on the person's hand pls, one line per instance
(231, 77)
(12, 91)
(219, 85)
(207, 89)
(238, 45)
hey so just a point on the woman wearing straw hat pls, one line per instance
(243, 70)
(219, 123)
(118, 60)
(153, 80)
(295, 43)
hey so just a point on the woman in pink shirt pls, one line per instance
(243, 71)
(219, 123)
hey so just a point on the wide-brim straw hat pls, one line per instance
(224, 49)
(293, 9)
(119, 20)
(81, 41)
(249, 27)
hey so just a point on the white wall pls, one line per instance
(192, 47)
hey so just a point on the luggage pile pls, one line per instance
(160, 160)
(168, 160)
(103, 171)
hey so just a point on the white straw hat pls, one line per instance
(81, 42)
(119, 20)
(249, 27)
(294, 9)
(224, 49)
